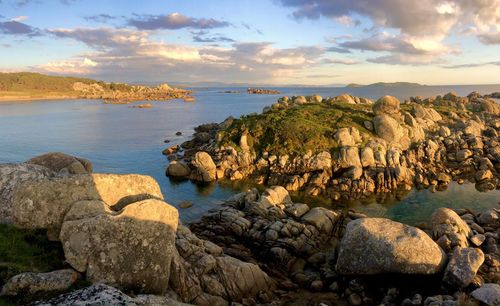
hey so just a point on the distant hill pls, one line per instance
(383, 84)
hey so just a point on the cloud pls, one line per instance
(338, 50)
(121, 53)
(19, 18)
(422, 19)
(174, 21)
(202, 37)
(471, 65)
(339, 61)
(101, 18)
(13, 27)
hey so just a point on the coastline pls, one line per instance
(7, 99)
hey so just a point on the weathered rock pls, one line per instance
(241, 279)
(387, 128)
(446, 222)
(367, 157)
(386, 105)
(205, 169)
(58, 162)
(491, 216)
(39, 283)
(178, 169)
(349, 157)
(463, 266)
(98, 294)
(297, 210)
(344, 98)
(377, 245)
(13, 175)
(43, 203)
(131, 249)
(488, 294)
(323, 219)
(274, 196)
(463, 155)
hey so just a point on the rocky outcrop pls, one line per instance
(378, 246)
(260, 91)
(122, 249)
(178, 169)
(13, 175)
(63, 163)
(33, 284)
(384, 147)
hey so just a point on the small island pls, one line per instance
(261, 91)
(26, 86)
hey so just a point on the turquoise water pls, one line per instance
(122, 139)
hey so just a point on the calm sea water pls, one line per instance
(121, 139)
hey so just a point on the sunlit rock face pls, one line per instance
(378, 246)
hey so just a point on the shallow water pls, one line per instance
(122, 139)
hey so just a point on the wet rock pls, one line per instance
(463, 266)
(62, 163)
(488, 294)
(13, 175)
(178, 169)
(39, 283)
(131, 249)
(377, 245)
(205, 169)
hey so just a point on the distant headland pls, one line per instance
(25, 86)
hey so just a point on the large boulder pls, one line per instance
(386, 105)
(448, 229)
(205, 169)
(39, 283)
(178, 169)
(43, 203)
(387, 128)
(12, 175)
(377, 246)
(131, 249)
(463, 266)
(60, 162)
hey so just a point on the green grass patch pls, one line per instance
(299, 129)
(24, 250)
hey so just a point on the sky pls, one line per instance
(275, 42)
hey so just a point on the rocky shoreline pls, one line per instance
(380, 146)
(123, 245)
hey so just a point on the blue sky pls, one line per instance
(262, 41)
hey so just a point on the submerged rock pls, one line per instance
(377, 245)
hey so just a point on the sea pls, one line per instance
(123, 139)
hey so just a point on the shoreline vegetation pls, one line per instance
(25, 86)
